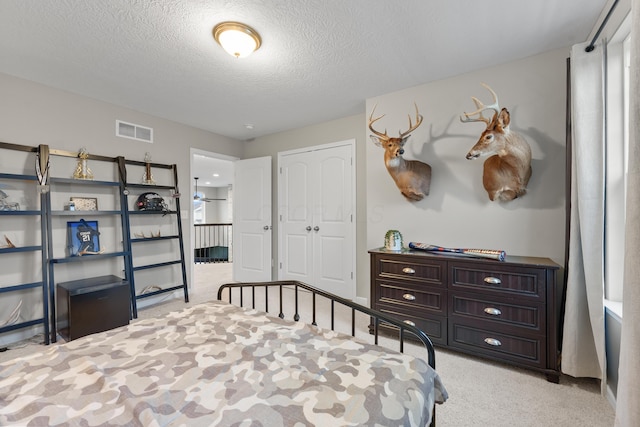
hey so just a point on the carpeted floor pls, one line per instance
(481, 393)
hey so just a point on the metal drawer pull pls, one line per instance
(493, 341)
(408, 270)
(492, 280)
(492, 311)
(409, 322)
(409, 297)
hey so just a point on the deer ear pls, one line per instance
(504, 119)
(376, 140)
(403, 140)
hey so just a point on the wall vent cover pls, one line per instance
(133, 131)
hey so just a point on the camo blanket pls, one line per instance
(216, 364)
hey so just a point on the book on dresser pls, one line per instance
(507, 311)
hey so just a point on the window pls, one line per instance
(199, 213)
(617, 145)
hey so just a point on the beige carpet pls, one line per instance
(481, 393)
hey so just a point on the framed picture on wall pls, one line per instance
(85, 203)
(83, 238)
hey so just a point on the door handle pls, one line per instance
(266, 227)
(308, 228)
(316, 228)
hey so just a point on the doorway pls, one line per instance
(211, 212)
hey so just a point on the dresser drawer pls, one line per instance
(530, 316)
(434, 326)
(522, 349)
(505, 280)
(413, 297)
(433, 272)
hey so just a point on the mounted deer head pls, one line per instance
(412, 177)
(508, 169)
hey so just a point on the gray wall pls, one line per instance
(217, 211)
(458, 212)
(33, 114)
(324, 133)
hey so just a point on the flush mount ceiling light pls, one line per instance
(238, 39)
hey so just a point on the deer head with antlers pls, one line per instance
(412, 177)
(508, 168)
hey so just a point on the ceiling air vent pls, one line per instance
(131, 131)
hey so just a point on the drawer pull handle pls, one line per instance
(409, 322)
(409, 297)
(493, 311)
(408, 270)
(492, 341)
(492, 280)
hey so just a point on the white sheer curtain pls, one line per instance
(583, 344)
(628, 394)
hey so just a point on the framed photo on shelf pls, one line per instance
(85, 203)
(83, 238)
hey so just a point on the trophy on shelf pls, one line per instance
(147, 177)
(82, 170)
(6, 205)
(42, 168)
(9, 244)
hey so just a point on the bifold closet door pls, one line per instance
(316, 219)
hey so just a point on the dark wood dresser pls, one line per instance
(506, 311)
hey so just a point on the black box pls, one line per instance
(92, 305)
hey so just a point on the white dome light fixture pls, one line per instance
(236, 38)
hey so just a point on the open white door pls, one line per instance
(252, 226)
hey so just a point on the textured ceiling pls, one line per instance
(320, 59)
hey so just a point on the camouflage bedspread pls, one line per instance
(215, 364)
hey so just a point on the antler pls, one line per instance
(384, 135)
(411, 127)
(481, 107)
(372, 121)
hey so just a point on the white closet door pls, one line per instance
(317, 232)
(332, 221)
(296, 220)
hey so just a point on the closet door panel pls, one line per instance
(333, 214)
(296, 219)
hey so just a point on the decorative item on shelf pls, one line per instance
(393, 240)
(9, 243)
(6, 205)
(142, 235)
(149, 289)
(83, 238)
(412, 177)
(147, 177)
(42, 168)
(508, 168)
(477, 253)
(14, 317)
(151, 202)
(82, 170)
(84, 203)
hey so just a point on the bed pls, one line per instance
(230, 363)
